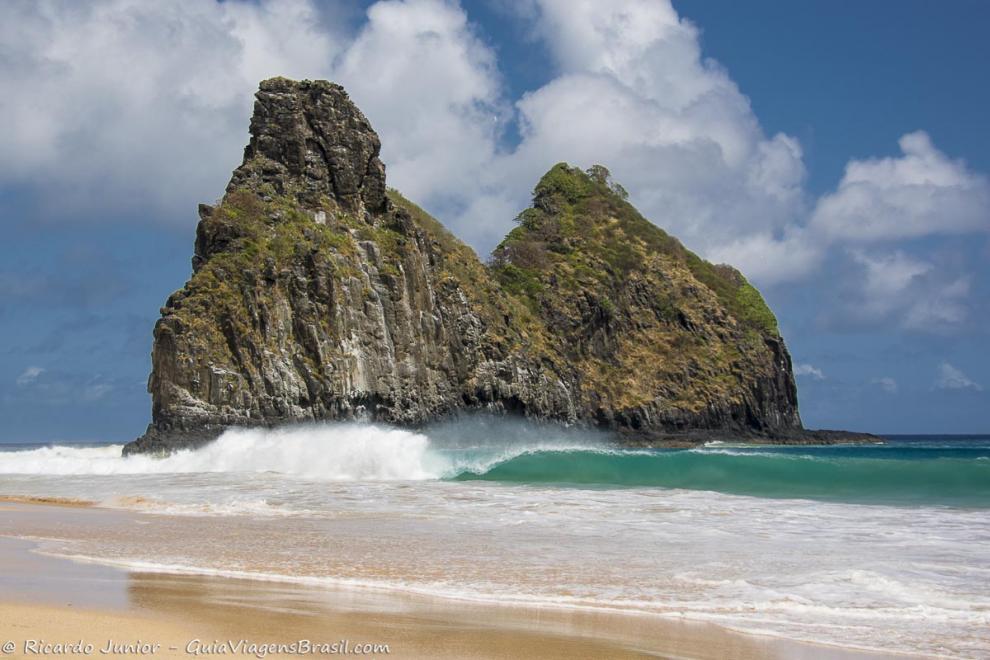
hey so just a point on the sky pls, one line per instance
(835, 151)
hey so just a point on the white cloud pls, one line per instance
(433, 92)
(952, 378)
(897, 288)
(943, 306)
(808, 370)
(635, 95)
(889, 274)
(887, 384)
(128, 105)
(921, 193)
(144, 106)
(28, 376)
(675, 129)
(769, 259)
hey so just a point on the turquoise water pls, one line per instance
(904, 470)
(879, 546)
(908, 470)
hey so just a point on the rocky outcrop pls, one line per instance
(318, 294)
(310, 134)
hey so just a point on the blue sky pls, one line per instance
(835, 151)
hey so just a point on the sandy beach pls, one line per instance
(55, 601)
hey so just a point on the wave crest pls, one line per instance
(344, 452)
(526, 453)
(762, 473)
(324, 452)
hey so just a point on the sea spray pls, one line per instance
(520, 452)
(338, 452)
(327, 451)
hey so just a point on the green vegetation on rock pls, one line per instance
(582, 224)
(318, 293)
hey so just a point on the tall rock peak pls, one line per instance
(310, 140)
(318, 295)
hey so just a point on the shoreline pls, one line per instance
(46, 501)
(40, 590)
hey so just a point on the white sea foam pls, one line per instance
(327, 452)
(892, 578)
(750, 608)
(367, 505)
(725, 449)
(232, 506)
(340, 452)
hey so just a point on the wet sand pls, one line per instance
(62, 601)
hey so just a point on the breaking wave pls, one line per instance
(938, 481)
(521, 453)
(351, 452)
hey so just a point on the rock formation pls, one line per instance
(318, 294)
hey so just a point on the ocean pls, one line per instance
(881, 547)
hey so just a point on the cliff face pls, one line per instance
(657, 338)
(317, 294)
